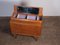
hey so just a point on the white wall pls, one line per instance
(50, 7)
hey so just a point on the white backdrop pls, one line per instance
(50, 7)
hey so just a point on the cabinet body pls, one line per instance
(25, 27)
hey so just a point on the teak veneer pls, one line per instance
(26, 26)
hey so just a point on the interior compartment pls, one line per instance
(21, 16)
(31, 17)
(39, 17)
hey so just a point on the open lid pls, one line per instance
(28, 10)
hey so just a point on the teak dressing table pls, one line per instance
(26, 21)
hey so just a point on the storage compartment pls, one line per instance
(21, 16)
(26, 21)
(30, 17)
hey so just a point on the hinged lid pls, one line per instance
(28, 10)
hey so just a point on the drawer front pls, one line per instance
(27, 22)
(29, 29)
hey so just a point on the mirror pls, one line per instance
(28, 10)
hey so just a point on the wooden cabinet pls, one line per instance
(26, 21)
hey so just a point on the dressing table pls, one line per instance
(26, 21)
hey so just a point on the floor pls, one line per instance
(50, 33)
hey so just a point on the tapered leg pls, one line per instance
(14, 35)
(36, 38)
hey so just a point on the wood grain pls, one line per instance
(25, 26)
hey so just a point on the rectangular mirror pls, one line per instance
(28, 10)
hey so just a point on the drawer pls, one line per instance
(26, 22)
(26, 28)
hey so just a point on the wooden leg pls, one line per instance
(36, 38)
(14, 35)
